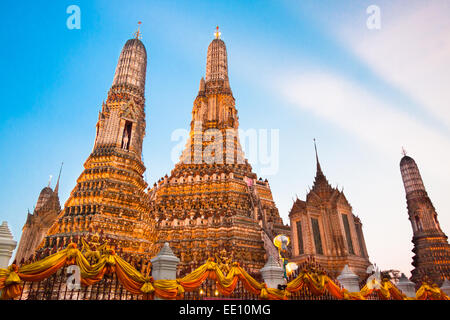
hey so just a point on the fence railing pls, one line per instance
(109, 288)
(55, 288)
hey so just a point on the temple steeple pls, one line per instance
(432, 251)
(132, 65)
(217, 64)
(319, 169)
(325, 227)
(121, 124)
(59, 176)
(37, 224)
(412, 180)
(321, 185)
(212, 198)
(214, 108)
(110, 195)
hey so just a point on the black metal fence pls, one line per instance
(208, 291)
(55, 288)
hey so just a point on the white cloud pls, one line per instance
(347, 105)
(411, 51)
(351, 107)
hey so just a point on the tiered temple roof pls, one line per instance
(324, 227)
(39, 222)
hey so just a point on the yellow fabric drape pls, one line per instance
(136, 283)
(427, 292)
(10, 283)
(44, 268)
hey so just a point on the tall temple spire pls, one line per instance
(132, 65)
(37, 224)
(213, 162)
(432, 251)
(216, 62)
(325, 227)
(59, 176)
(412, 179)
(110, 194)
(121, 122)
(321, 185)
(214, 108)
(319, 169)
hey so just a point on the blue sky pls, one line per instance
(310, 70)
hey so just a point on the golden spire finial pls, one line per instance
(404, 152)
(138, 34)
(217, 33)
(50, 180)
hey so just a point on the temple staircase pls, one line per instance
(260, 216)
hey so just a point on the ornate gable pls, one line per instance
(128, 111)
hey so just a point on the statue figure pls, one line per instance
(125, 140)
(224, 261)
(93, 250)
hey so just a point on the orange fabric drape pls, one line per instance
(129, 284)
(43, 274)
(334, 290)
(11, 292)
(93, 279)
(10, 283)
(427, 292)
(136, 283)
(250, 284)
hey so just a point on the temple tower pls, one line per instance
(431, 249)
(214, 125)
(39, 222)
(324, 227)
(212, 204)
(110, 199)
